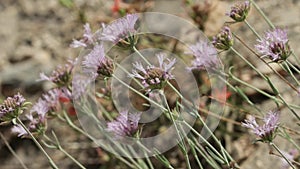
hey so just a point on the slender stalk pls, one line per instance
(292, 66)
(263, 14)
(71, 157)
(12, 151)
(250, 64)
(252, 29)
(291, 73)
(139, 53)
(59, 147)
(278, 150)
(53, 165)
(260, 91)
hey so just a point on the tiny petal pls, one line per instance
(88, 38)
(18, 129)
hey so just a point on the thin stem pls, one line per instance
(53, 165)
(12, 151)
(177, 130)
(252, 29)
(292, 66)
(260, 91)
(73, 126)
(139, 53)
(263, 14)
(278, 150)
(59, 147)
(291, 73)
(250, 64)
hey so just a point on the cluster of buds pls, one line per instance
(239, 11)
(224, 40)
(12, 107)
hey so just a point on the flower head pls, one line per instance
(126, 124)
(61, 76)
(224, 39)
(239, 11)
(205, 56)
(88, 38)
(121, 30)
(154, 77)
(12, 107)
(274, 45)
(95, 63)
(267, 131)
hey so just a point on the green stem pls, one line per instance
(260, 91)
(73, 126)
(263, 14)
(53, 165)
(278, 150)
(252, 29)
(292, 66)
(139, 53)
(250, 64)
(291, 73)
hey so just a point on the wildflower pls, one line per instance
(205, 56)
(88, 38)
(274, 45)
(240, 11)
(12, 107)
(126, 124)
(224, 39)
(61, 76)
(267, 131)
(154, 77)
(19, 130)
(121, 30)
(95, 63)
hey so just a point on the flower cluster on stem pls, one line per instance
(274, 45)
(154, 77)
